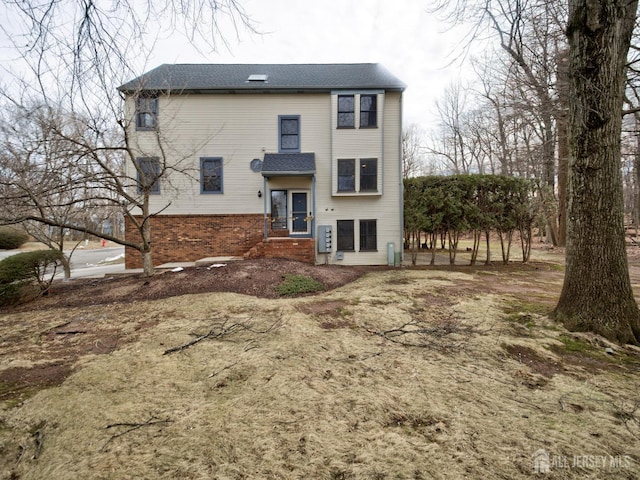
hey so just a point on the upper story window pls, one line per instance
(369, 174)
(289, 133)
(346, 115)
(368, 110)
(146, 113)
(346, 175)
(357, 176)
(211, 175)
(148, 174)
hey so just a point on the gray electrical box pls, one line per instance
(324, 238)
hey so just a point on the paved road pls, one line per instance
(87, 263)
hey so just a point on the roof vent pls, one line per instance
(257, 77)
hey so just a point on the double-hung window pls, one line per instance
(148, 174)
(211, 175)
(357, 176)
(368, 111)
(146, 113)
(368, 235)
(346, 115)
(368, 175)
(289, 132)
(345, 235)
(346, 175)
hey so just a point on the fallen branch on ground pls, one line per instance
(426, 335)
(220, 330)
(38, 439)
(132, 427)
(223, 369)
(628, 416)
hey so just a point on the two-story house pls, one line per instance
(294, 161)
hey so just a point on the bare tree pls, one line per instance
(596, 294)
(494, 91)
(412, 162)
(73, 55)
(530, 33)
(451, 141)
(41, 176)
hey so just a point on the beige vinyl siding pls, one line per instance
(382, 143)
(356, 143)
(241, 127)
(236, 127)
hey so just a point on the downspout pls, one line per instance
(331, 144)
(384, 99)
(264, 208)
(313, 206)
(401, 186)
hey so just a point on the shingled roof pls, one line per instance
(288, 164)
(203, 78)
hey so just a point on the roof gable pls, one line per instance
(196, 78)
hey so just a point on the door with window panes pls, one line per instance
(299, 216)
(290, 211)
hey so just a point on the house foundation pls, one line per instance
(188, 238)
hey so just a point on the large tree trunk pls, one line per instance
(549, 172)
(563, 172)
(562, 129)
(636, 168)
(596, 295)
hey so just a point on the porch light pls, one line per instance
(259, 193)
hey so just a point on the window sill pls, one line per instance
(369, 251)
(353, 127)
(368, 127)
(145, 129)
(371, 193)
(210, 193)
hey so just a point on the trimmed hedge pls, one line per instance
(448, 207)
(10, 238)
(20, 271)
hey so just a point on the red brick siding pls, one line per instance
(300, 249)
(187, 238)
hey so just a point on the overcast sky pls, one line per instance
(400, 34)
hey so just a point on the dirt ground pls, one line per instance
(428, 372)
(257, 278)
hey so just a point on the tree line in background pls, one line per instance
(509, 114)
(555, 99)
(439, 210)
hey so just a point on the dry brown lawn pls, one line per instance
(444, 373)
